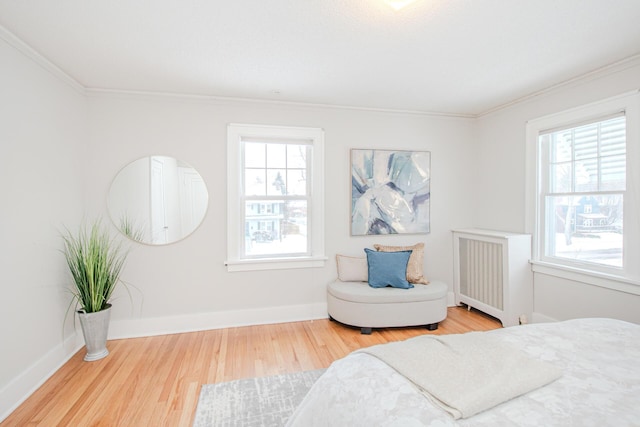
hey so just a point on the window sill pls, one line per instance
(275, 263)
(602, 280)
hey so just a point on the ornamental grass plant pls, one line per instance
(95, 260)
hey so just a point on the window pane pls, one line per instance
(613, 172)
(254, 155)
(561, 148)
(561, 176)
(297, 156)
(276, 182)
(276, 156)
(297, 182)
(586, 178)
(585, 228)
(275, 227)
(254, 182)
(613, 136)
(585, 143)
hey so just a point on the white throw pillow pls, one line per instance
(352, 269)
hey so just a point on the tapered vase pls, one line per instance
(95, 328)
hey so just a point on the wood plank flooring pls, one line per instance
(155, 381)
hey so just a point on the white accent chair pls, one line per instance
(358, 304)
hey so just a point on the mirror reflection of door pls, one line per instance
(157, 200)
(193, 197)
(159, 226)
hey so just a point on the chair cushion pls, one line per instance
(361, 292)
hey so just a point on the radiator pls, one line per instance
(481, 271)
(492, 274)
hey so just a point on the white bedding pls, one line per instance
(600, 384)
(466, 373)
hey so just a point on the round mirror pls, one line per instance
(157, 200)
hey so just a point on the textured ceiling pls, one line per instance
(442, 56)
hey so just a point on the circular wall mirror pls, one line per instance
(157, 200)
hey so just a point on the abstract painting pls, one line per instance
(390, 192)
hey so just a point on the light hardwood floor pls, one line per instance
(155, 381)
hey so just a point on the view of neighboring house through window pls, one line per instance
(584, 186)
(276, 197)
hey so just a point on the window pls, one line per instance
(583, 192)
(275, 197)
(582, 178)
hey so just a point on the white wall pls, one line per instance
(500, 188)
(42, 136)
(185, 285)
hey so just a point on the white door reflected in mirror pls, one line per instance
(157, 200)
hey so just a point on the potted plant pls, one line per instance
(95, 261)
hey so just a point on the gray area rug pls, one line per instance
(266, 401)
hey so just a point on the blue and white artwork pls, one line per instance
(390, 192)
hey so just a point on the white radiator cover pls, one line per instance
(492, 273)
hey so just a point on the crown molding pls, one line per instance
(615, 67)
(36, 57)
(230, 99)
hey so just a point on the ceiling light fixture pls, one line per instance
(398, 4)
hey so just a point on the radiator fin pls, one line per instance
(481, 271)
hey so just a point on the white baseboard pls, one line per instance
(133, 328)
(22, 386)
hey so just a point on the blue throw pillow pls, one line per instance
(388, 269)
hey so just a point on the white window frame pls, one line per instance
(236, 133)
(626, 279)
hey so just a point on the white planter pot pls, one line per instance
(95, 328)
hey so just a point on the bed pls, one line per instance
(598, 385)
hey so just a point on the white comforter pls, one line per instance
(600, 385)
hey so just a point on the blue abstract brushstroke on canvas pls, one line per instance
(390, 192)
